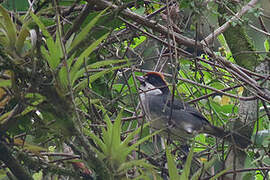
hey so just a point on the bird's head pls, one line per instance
(153, 81)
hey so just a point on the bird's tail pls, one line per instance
(232, 137)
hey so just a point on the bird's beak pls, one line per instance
(141, 79)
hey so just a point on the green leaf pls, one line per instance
(135, 145)
(59, 46)
(105, 63)
(24, 33)
(217, 84)
(186, 170)
(173, 172)
(138, 41)
(55, 52)
(4, 41)
(81, 36)
(116, 131)
(107, 133)
(77, 65)
(130, 164)
(3, 117)
(38, 175)
(206, 166)
(9, 27)
(36, 99)
(97, 65)
(69, 41)
(63, 74)
(63, 78)
(94, 77)
(5, 83)
(16, 5)
(220, 174)
(266, 45)
(133, 133)
(40, 25)
(35, 96)
(96, 139)
(46, 54)
(261, 138)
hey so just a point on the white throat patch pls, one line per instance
(150, 89)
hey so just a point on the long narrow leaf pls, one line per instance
(63, 79)
(130, 164)
(116, 131)
(107, 133)
(186, 171)
(97, 65)
(41, 25)
(106, 117)
(9, 27)
(220, 174)
(24, 33)
(5, 83)
(77, 65)
(85, 31)
(4, 40)
(63, 74)
(94, 77)
(46, 54)
(58, 45)
(54, 53)
(135, 145)
(96, 139)
(206, 166)
(173, 172)
(105, 63)
(133, 133)
(55, 56)
(124, 150)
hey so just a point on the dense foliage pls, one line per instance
(69, 106)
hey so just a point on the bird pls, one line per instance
(177, 119)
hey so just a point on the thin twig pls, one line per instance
(226, 25)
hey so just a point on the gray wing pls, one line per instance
(182, 106)
(184, 117)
